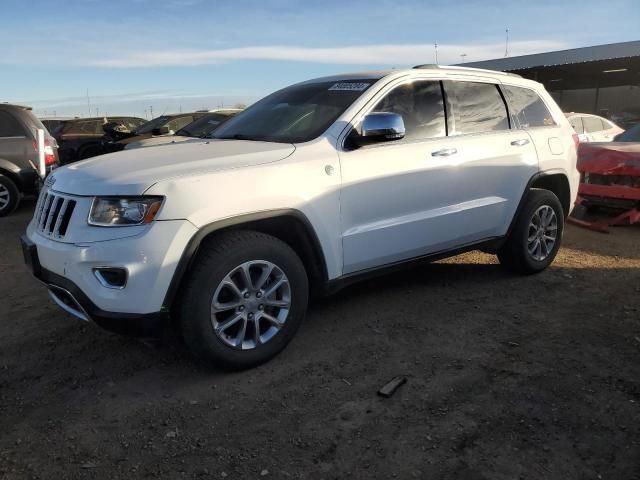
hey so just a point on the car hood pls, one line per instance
(155, 141)
(131, 172)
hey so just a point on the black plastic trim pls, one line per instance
(341, 282)
(135, 324)
(190, 252)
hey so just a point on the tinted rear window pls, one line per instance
(527, 108)
(477, 107)
(88, 127)
(9, 126)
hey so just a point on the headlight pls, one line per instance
(123, 211)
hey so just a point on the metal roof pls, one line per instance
(562, 57)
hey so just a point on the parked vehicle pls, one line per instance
(591, 128)
(311, 188)
(19, 155)
(200, 128)
(610, 174)
(53, 123)
(630, 135)
(161, 126)
(83, 138)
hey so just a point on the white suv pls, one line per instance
(310, 188)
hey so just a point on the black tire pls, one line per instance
(10, 196)
(216, 259)
(514, 254)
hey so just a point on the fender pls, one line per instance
(23, 178)
(532, 180)
(191, 250)
(9, 166)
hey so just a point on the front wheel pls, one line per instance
(535, 239)
(244, 300)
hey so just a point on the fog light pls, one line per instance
(111, 277)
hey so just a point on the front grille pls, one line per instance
(53, 214)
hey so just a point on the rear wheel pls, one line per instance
(244, 300)
(9, 196)
(536, 236)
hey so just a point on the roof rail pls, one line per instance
(470, 69)
(24, 107)
(428, 65)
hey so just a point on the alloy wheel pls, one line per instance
(5, 196)
(543, 233)
(251, 304)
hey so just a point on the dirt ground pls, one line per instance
(508, 378)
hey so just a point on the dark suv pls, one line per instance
(82, 138)
(158, 127)
(19, 155)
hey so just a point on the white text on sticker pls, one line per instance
(350, 86)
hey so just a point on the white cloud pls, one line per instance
(388, 54)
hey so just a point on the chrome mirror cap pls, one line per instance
(383, 126)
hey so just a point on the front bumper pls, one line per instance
(149, 258)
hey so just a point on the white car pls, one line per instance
(312, 187)
(591, 128)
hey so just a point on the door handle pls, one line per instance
(520, 143)
(445, 152)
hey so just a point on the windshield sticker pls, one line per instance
(350, 86)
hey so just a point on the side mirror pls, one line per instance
(381, 127)
(161, 131)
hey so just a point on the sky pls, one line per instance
(134, 56)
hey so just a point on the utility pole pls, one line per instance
(97, 112)
(463, 56)
(88, 103)
(435, 45)
(151, 111)
(506, 44)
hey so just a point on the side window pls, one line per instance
(90, 127)
(422, 108)
(576, 123)
(527, 108)
(477, 107)
(9, 126)
(592, 124)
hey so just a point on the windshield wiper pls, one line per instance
(240, 136)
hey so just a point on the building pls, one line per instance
(603, 79)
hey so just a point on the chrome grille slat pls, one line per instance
(53, 214)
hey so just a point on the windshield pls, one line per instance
(295, 114)
(151, 124)
(204, 126)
